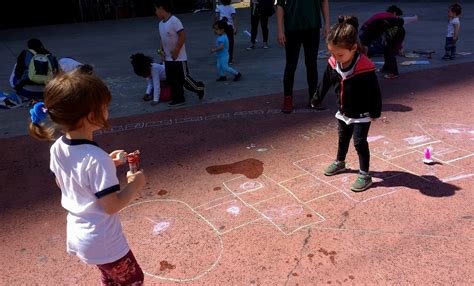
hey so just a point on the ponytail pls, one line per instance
(37, 128)
(344, 33)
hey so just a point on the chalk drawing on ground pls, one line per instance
(168, 247)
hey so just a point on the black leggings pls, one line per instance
(359, 132)
(229, 31)
(255, 18)
(310, 41)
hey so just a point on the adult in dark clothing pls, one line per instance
(260, 11)
(299, 23)
(20, 81)
(387, 28)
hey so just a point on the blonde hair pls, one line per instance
(68, 98)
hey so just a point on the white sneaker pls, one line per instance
(251, 47)
(265, 46)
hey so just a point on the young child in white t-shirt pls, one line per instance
(226, 10)
(173, 50)
(77, 102)
(154, 73)
(454, 11)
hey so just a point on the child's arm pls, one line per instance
(323, 88)
(374, 96)
(179, 45)
(218, 48)
(457, 26)
(234, 20)
(114, 202)
(155, 77)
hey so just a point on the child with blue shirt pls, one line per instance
(222, 52)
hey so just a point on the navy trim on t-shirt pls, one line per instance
(73, 142)
(109, 190)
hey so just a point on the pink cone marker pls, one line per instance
(427, 155)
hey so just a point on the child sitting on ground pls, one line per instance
(155, 74)
(222, 52)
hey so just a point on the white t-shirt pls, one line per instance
(226, 11)
(86, 173)
(158, 74)
(68, 64)
(169, 38)
(452, 22)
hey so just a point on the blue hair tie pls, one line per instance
(38, 113)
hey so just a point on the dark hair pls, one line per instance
(456, 8)
(226, 2)
(344, 33)
(141, 64)
(221, 24)
(165, 4)
(70, 97)
(34, 44)
(395, 9)
(86, 68)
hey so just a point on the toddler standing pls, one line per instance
(454, 11)
(77, 102)
(222, 52)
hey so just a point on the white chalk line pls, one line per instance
(249, 205)
(460, 158)
(221, 243)
(455, 178)
(209, 202)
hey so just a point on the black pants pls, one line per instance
(254, 19)
(177, 77)
(392, 47)
(229, 31)
(310, 41)
(359, 131)
(450, 47)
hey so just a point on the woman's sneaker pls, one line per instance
(362, 183)
(251, 47)
(335, 168)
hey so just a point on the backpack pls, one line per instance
(40, 67)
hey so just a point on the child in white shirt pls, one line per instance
(225, 10)
(155, 73)
(454, 11)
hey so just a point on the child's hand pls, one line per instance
(137, 180)
(174, 54)
(119, 157)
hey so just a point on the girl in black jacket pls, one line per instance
(358, 97)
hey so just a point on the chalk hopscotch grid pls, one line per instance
(267, 199)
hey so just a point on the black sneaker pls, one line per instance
(201, 94)
(237, 76)
(176, 103)
(221, 78)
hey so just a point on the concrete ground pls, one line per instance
(235, 194)
(109, 44)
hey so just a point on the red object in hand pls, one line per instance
(134, 161)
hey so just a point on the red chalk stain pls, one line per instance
(217, 189)
(165, 265)
(250, 168)
(162, 192)
(309, 215)
(295, 274)
(351, 277)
